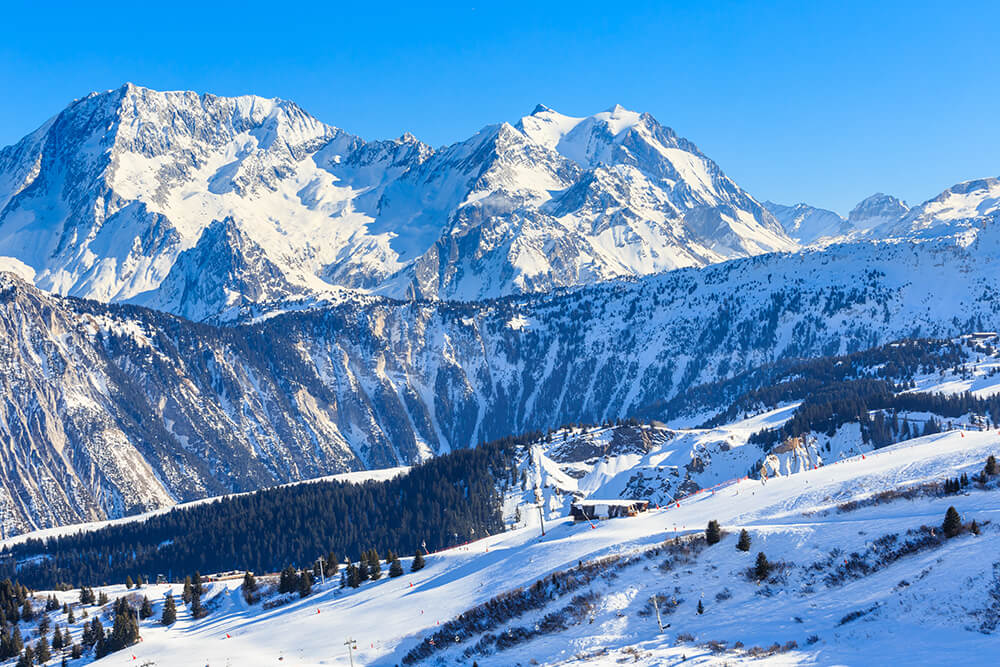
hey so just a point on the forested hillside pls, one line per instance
(152, 409)
(449, 499)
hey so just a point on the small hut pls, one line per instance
(590, 509)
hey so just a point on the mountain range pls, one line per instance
(217, 294)
(118, 198)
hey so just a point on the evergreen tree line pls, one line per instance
(852, 401)
(443, 502)
(794, 379)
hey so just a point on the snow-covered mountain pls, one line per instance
(114, 408)
(109, 197)
(962, 206)
(878, 210)
(808, 224)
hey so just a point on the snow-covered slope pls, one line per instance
(849, 585)
(969, 204)
(372, 382)
(106, 199)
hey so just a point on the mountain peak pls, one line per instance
(160, 167)
(877, 209)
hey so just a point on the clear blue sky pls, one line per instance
(818, 102)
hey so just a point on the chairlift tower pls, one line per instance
(352, 646)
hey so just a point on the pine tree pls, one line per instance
(992, 468)
(952, 525)
(146, 610)
(762, 568)
(169, 611)
(701, 607)
(43, 624)
(249, 587)
(102, 599)
(125, 631)
(76, 652)
(16, 643)
(197, 611)
(362, 568)
(744, 542)
(186, 592)
(353, 576)
(196, 584)
(70, 616)
(288, 580)
(27, 658)
(974, 528)
(42, 652)
(57, 638)
(27, 612)
(139, 581)
(395, 568)
(713, 533)
(129, 583)
(374, 566)
(418, 561)
(305, 583)
(96, 632)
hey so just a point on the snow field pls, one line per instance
(790, 518)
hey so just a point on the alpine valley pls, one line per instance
(235, 339)
(209, 295)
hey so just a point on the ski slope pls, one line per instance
(792, 518)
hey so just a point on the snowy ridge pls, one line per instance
(104, 200)
(873, 217)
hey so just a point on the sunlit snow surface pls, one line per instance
(791, 519)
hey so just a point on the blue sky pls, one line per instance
(817, 102)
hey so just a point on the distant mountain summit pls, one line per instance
(808, 224)
(112, 197)
(871, 218)
(968, 204)
(875, 211)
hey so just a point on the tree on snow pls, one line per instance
(952, 525)
(169, 611)
(418, 561)
(713, 533)
(762, 568)
(744, 542)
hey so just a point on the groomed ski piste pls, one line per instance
(840, 592)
